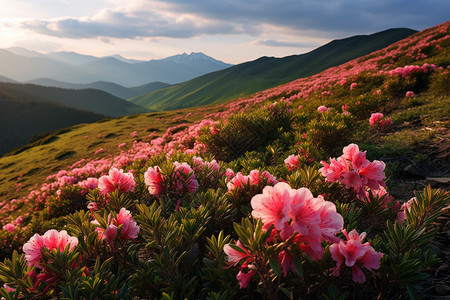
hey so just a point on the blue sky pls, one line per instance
(230, 30)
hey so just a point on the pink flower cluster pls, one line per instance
(409, 94)
(253, 179)
(52, 239)
(116, 179)
(376, 120)
(353, 170)
(323, 109)
(292, 162)
(355, 254)
(412, 69)
(297, 212)
(123, 221)
(182, 179)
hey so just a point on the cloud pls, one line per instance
(276, 43)
(134, 21)
(187, 19)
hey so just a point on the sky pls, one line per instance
(233, 31)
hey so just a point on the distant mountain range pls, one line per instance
(266, 72)
(23, 65)
(109, 87)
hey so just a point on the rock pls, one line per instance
(412, 170)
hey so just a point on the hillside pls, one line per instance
(247, 78)
(109, 87)
(21, 120)
(90, 100)
(30, 110)
(301, 191)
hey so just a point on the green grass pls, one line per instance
(61, 149)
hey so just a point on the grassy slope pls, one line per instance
(247, 78)
(61, 149)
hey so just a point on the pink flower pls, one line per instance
(237, 181)
(401, 216)
(184, 177)
(9, 227)
(154, 180)
(353, 85)
(90, 183)
(409, 94)
(292, 162)
(305, 213)
(92, 206)
(123, 222)
(236, 256)
(323, 109)
(229, 174)
(355, 254)
(110, 233)
(254, 177)
(52, 239)
(116, 179)
(375, 118)
(273, 205)
(121, 145)
(130, 229)
(244, 278)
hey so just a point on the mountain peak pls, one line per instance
(193, 57)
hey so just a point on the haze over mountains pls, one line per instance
(24, 65)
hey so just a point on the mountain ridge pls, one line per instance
(24, 65)
(265, 72)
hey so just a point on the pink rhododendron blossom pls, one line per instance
(90, 183)
(353, 85)
(292, 162)
(355, 171)
(244, 278)
(123, 222)
(52, 239)
(130, 229)
(235, 256)
(237, 181)
(110, 233)
(116, 179)
(92, 206)
(184, 177)
(154, 180)
(401, 216)
(9, 227)
(273, 205)
(409, 94)
(355, 254)
(297, 212)
(229, 174)
(376, 120)
(323, 109)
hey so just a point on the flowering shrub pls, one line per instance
(355, 253)
(378, 122)
(353, 170)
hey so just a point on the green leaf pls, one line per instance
(275, 267)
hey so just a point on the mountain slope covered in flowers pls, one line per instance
(313, 189)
